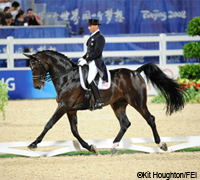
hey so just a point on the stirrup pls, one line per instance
(97, 105)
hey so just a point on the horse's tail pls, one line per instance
(168, 87)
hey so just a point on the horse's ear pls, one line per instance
(27, 55)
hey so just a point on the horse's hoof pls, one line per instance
(32, 146)
(164, 147)
(93, 149)
(113, 151)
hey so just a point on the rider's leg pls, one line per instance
(92, 71)
(91, 75)
(97, 97)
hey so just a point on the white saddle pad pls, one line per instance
(102, 85)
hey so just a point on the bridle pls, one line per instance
(43, 72)
(44, 75)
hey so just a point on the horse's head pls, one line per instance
(39, 71)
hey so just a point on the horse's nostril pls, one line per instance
(37, 87)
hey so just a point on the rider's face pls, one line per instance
(93, 28)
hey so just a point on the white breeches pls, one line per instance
(92, 71)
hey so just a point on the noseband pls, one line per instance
(42, 76)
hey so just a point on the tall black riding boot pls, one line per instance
(97, 97)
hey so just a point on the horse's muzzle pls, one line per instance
(39, 85)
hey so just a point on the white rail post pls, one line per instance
(10, 52)
(163, 48)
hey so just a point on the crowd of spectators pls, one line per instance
(12, 15)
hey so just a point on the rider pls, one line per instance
(93, 58)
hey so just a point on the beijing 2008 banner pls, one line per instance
(127, 16)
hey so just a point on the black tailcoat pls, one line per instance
(95, 45)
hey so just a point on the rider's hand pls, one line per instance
(82, 62)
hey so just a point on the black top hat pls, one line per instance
(93, 22)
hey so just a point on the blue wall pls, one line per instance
(20, 85)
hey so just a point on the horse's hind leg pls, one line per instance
(120, 111)
(151, 121)
(141, 107)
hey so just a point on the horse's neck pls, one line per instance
(59, 67)
(59, 70)
(60, 76)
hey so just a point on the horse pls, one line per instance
(127, 87)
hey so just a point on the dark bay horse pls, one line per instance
(127, 87)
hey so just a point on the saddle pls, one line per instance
(83, 72)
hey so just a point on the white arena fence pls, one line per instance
(73, 145)
(162, 52)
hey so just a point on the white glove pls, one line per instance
(82, 62)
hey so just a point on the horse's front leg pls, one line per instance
(56, 116)
(72, 116)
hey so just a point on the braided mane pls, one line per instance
(58, 57)
(56, 53)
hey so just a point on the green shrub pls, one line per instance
(3, 97)
(192, 49)
(158, 98)
(190, 71)
(192, 96)
(194, 27)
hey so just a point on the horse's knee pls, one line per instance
(125, 125)
(128, 124)
(151, 121)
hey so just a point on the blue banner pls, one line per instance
(116, 17)
(20, 85)
(127, 16)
